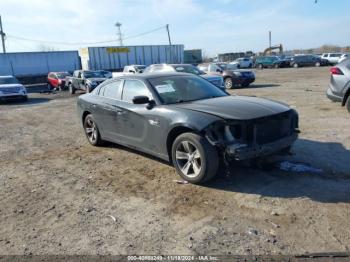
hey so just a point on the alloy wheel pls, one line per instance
(91, 131)
(228, 83)
(188, 158)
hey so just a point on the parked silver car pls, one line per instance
(339, 87)
(11, 89)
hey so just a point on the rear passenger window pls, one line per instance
(111, 90)
(134, 88)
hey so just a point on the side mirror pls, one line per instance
(219, 70)
(139, 100)
(131, 71)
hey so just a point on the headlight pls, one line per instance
(23, 90)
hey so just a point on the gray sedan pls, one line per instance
(186, 120)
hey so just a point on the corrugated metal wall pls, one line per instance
(38, 63)
(96, 58)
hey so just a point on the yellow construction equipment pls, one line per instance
(269, 49)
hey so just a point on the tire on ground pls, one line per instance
(71, 88)
(98, 140)
(228, 83)
(347, 104)
(208, 153)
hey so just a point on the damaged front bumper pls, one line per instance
(239, 151)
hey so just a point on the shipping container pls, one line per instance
(38, 63)
(193, 56)
(114, 58)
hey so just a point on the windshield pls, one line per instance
(93, 74)
(188, 69)
(178, 89)
(62, 75)
(140, 68)
(8, 80)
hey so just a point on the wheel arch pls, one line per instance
(85, 114)
(174, 133)
(345, 97)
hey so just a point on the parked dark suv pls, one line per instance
(307, 60)
(270, 62)
(232, 76)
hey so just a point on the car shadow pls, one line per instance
(327, 186)
(262, 85)
(30, 101)
(134, 151)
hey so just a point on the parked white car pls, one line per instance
(343, 57)
(10, 89)
(130, 69)
(243, 62)
(333, 58)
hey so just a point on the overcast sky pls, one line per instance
(215, 26)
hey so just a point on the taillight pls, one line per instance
(336, 71)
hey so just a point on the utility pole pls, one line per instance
(270, 40)
(120, 37)
(167, 29)
(2, 37)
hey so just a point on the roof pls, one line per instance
(7, 76)
(153, 75)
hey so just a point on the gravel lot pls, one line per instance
(59, 195)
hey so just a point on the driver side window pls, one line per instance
(134, 88)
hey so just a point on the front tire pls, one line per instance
(228, 83)
(91, 131)
(295, 65)
(194, 158)
(260, 66)
(347, 104)
(71, 89)
(317, 64)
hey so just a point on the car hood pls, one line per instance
(236, 107)
(14, 86)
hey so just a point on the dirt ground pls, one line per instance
(59, 195)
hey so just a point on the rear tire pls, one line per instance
(295, 65)
(347, 104)
(317, 64)
(277, 66)
(91, 131)
(228, 82)
(260, 66)
(194, 158)
(71, 89)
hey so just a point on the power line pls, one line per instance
(2, 37)
(82, 43)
